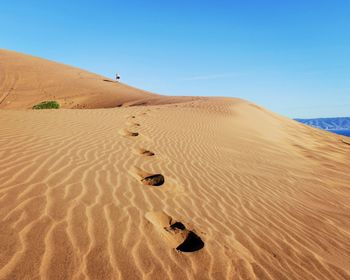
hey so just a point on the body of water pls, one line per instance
(341, 132)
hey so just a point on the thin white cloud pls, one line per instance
(211, 77)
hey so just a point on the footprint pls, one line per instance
(170, 186)
(128, 133)
(111, 81)
(144, 152)
(345, 142)
(153, 180)
(132, 124)
(147, 178)
(175, 233)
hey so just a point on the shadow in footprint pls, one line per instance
(175, 233)
(144, 152)
(128, 133)
(153, 180)
(131, 123)
(345, 142)
(147, 178)
(110, 81)
(147, 153)
(191, 244)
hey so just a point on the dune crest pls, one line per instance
(27, 80)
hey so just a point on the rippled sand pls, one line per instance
(205, 188)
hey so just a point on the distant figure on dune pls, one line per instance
(117, 77)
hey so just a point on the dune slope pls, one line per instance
(26, 80)
(205, 189)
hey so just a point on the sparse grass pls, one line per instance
(46, 105)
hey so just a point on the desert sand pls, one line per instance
(173, 188)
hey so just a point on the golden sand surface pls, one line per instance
(174, 188)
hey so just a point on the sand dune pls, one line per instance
(26, 80)
(243, 193)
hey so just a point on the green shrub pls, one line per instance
(47, 105)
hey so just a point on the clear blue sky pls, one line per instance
(292, 57)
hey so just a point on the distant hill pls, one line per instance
(328, 123)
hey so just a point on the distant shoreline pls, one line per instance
(340, 125)
(344, 132)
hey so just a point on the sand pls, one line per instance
(180, 188)
(26, 80)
